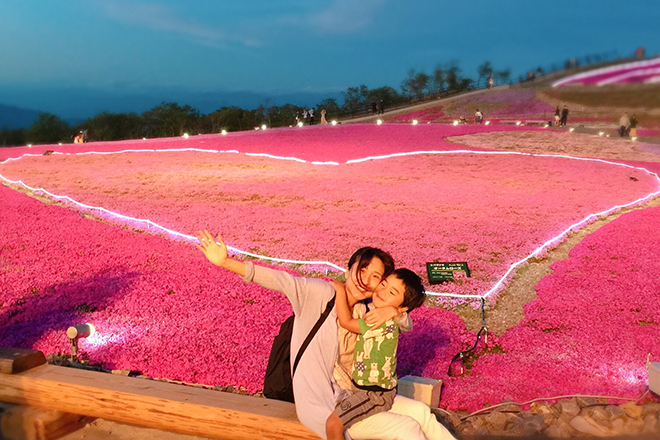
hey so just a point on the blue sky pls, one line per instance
(272, 47)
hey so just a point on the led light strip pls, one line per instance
(191, 238)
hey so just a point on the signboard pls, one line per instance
(439, 272)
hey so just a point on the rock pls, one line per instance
(481, 431)
(539, 408)
(496, 420)
(511, 407)
(559, 429)
(633, 426)
(535, 425)
(590, 427)
(584, 402)
(634, 411)
(650, 424)
(569, 407)
(618, 426)
(650, 408)
(123, 372)
(615, 412)
(600, 415)
(477, 422)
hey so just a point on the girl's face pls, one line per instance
(370, 275)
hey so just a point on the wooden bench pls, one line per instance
(152, 403)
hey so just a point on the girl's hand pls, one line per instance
(216, 252)
(380, 315)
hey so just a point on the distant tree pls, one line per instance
(484, 70)
(10, 138)
(355, 99)
(235, 119)
(453, 75)
(438, 79)
(503, 76)
(170, 119)
(48, 129)
(387, 95)
(282, 116)
(415, 84)
(114, 126)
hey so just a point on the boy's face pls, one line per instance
(370, 275)
(390, 293)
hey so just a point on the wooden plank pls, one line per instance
(154, 404)
(15, 360)
(30, 423)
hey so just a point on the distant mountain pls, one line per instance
(14, 117)
(79, 104)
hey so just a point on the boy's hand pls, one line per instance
(216, 252)
(380, 315)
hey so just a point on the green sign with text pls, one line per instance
(439, 272)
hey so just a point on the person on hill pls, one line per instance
(564, 117)
(311, 116)
(633, 126)
(314, 387)
(624, 125)
(323, 120)
(557, 116)
(478, 117)
(491, 81)
(374, 364)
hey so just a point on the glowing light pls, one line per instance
(487, 122)
(518, 122)
(263, 127)
(571, 130)
(546, 126)
(300, 124)
(455, 123)
(80, 331)
(60, 144)
(186, 135)
(414, 122)
(334, 122)
(29, 145)
(633, 138)
(223, 132)
(144, 139)
(600, 133)
(379, 121)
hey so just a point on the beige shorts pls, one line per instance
(361, 404)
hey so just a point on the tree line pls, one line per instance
(172, 119)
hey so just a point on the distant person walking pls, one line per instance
(491, 81)
(311, 116)
(633, 126)
(381, 107)
(305, 116)
(624, 125)
(323, 120)
(564, 117)
(557, 116)
(374, 107)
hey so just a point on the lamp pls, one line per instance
(77, 332)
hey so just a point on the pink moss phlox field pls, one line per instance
(489, 210)
(426, 115)
(596, 319)
(158, 306)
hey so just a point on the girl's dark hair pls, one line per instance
(363, 257)
(414, 295)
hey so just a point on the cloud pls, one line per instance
(162, 18)
(345, 16)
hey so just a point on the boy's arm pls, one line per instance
(343, 311)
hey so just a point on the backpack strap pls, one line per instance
(312, 333)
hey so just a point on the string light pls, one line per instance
(549, 243)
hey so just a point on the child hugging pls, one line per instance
(374, 361)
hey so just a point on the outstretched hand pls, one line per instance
(214, 250)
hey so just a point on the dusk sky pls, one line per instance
(126, 48)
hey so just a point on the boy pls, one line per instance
(374, 361)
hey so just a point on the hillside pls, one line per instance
(14, 117)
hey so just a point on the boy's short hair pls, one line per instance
(414, 295)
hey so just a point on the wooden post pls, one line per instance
(15, 360)
(30, 423)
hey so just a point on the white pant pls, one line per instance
(407, 420)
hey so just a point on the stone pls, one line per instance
(584, 402)
(618, 426)
(590, 427)
(477, 422)
(481, 431)
(615, 412)
(559, 429)
(535, 425)
(123, 372)
(650, 408)
(633, 426)
(600, 415)
(496, 419)
(539, 408)
(511, 407)
(634, 411)
(569, 407)
(650, 424)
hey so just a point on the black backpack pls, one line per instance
(278, 383)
